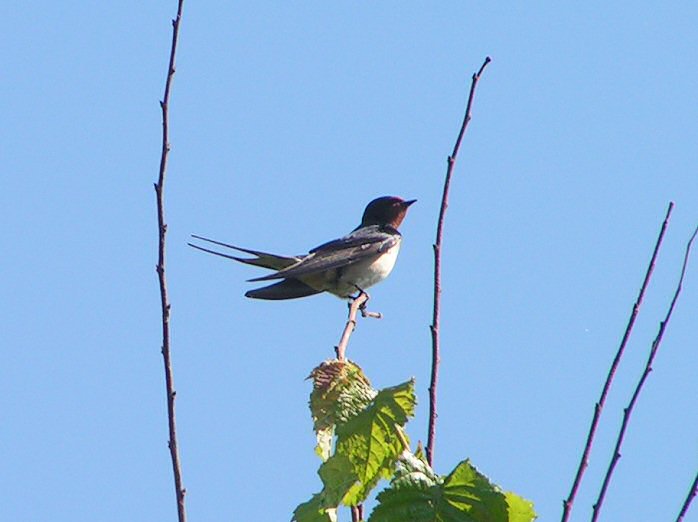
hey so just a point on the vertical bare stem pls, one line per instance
(165, 304)
(584, 461)
(435, 357)
(648, 368)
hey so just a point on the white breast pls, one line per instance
(370, 271)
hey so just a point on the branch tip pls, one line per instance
(598, 408)
(641, 382)
(164, 301)
(451, 160)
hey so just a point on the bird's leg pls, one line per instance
(365, 313)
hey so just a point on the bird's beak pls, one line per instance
(408, 202)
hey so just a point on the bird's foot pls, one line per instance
(367, 313)
(363, 295)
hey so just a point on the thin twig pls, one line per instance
(689, 498)
(435, 358)
(584, 461)
(354, 307)
(357, 513)
(165, 304)
(627, 412)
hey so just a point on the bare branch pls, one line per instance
(435, 357)
(357, 513)
(584, 461)
(165, 304)
(356, 304)
(689, 498)
(648, 368)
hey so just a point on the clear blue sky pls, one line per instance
(286, 119)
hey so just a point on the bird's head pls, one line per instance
(386, 210)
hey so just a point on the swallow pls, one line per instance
(341, 267)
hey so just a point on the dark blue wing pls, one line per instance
(360, 244)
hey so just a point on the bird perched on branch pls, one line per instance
(341, 267)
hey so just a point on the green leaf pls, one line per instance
(411, 497)
(465, 495)
(338, 477)
(520, 509)
(373, 439)
(312, 511)
(340, 391)
(367, 447)
(414, 467)
(469, 491)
